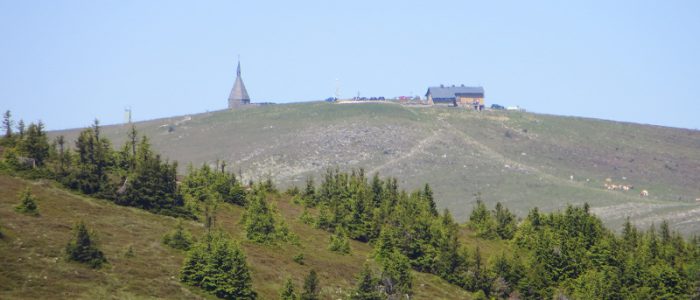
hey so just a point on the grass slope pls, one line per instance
(521, 159)
(33, 264)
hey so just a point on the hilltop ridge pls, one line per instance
(520, 159)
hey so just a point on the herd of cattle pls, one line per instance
(622, 187)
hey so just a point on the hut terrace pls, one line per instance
(460, 96)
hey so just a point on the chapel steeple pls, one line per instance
(239, 95)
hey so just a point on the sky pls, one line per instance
(69, 62)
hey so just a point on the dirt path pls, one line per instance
(417, 148)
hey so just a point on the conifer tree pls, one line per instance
(311, 287)
(396, 276)
(259, 220)
(339, 241)
(428, 194)
(287, 292)
(27, 203)
(218, 266)
(7, 124)
(35, 144)
(482, 221)
(82, 247)
(505, 222)
(366, 287)
(20, 129)
(309, 195)
(179, 238)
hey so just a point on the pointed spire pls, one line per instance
(239, 95)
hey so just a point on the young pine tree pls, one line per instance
(7, 124)
(505, 222)
(309, 195)
(481, 221)
(428, 194)
(27, 204)
(259, 220)
(311, 288)
(339, 241)
(366, 288)
(82, 247)
(179, 238)
(218, 266)
(287, 292)
(396, 276)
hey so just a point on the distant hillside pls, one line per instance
(520, 159)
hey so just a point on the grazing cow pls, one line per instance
(644, 193)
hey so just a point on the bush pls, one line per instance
(218, 265)
(396, 275)
(367, 286)
(299, 258)
(306, 217)
(179, 238)
(27, 203)
(310, 291)
(287, 292)
(82, 247)
(339, 242)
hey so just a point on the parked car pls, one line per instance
(497, 107)
(331, 99)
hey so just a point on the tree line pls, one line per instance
(567, 254)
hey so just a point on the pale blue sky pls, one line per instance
(68, 62)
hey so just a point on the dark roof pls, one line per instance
(451, 91)
(238, 92)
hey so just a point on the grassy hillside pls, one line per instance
(33, 264)
(520, 159)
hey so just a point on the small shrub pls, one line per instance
(287, 292)
(218, 266)
(306, 217)
(339, 242)
(129, 252)
(179, 238)
(293, 191)
(82, 248)
(299, 258)
(311, 288)
(27, 203)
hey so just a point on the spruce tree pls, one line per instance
(179, 238)
(481, 220)
(339, 241)
(7, 124)
(309, 195)
(366, 288)
(396, 275)
(20, 129)
(287, 292)
(82, 247)
(27, 204)
(259, 220)
(218, 266)
(428, 194)
(311, 287)
(35, 144)
(505, 222)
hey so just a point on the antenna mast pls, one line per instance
(127, 115)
